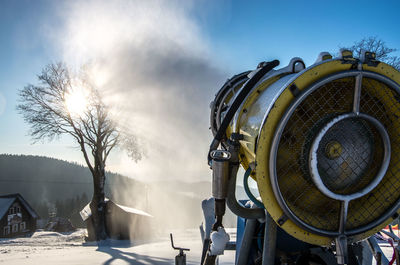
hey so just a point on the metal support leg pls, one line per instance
(269, 241)
(363, 253)
(246, 241)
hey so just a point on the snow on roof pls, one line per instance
(5, 204)
(133, 210)
(7, 200)
(86, 212)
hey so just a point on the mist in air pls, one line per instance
(153, 67)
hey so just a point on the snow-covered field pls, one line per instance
(49, 248)
(69, 248)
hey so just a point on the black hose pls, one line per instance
(247, 189)
(238, 101)
(229, 84)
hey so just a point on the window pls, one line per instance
(6, 230)
(18, 209)
(11, 211)
(22, 226)
(15, 228)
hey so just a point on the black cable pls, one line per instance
(268, 66)
(229, 84)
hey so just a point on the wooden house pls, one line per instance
(122, 222)
(17, 217)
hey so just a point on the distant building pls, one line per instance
(122, 222)
(17, 217)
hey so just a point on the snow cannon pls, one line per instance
(323, 144)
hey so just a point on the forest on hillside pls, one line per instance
(52, 185)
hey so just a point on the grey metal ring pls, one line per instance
(313, 160)
(220, 155)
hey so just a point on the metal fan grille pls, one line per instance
(346, 169)
(380, 101)
(295, 184)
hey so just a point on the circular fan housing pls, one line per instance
(324, 143)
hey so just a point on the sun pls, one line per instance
(76, 101)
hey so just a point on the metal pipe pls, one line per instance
(392, 235)
(234, 206)
(379, 258)
(231, 201)
(210, 259)
(269, 241)
(220, 173)
(248, 235)
(377, 251)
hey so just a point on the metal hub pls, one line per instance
(333, 150)
(352, 133)
(339, 146)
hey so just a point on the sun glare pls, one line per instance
(76, 102)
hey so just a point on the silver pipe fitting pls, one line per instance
(220, 173)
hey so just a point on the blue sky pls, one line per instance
(235, 34)
(249, 31)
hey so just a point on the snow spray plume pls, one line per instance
(152, 65)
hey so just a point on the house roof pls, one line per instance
(86, 212)
(5, 204)
(7, 200)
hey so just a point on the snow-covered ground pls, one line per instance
(49, 248)
(69, 248)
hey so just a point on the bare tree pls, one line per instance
(66, 105)
(378, 46)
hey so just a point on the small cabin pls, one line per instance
(17, 217)
(122, 222)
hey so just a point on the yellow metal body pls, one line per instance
(258, 134)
